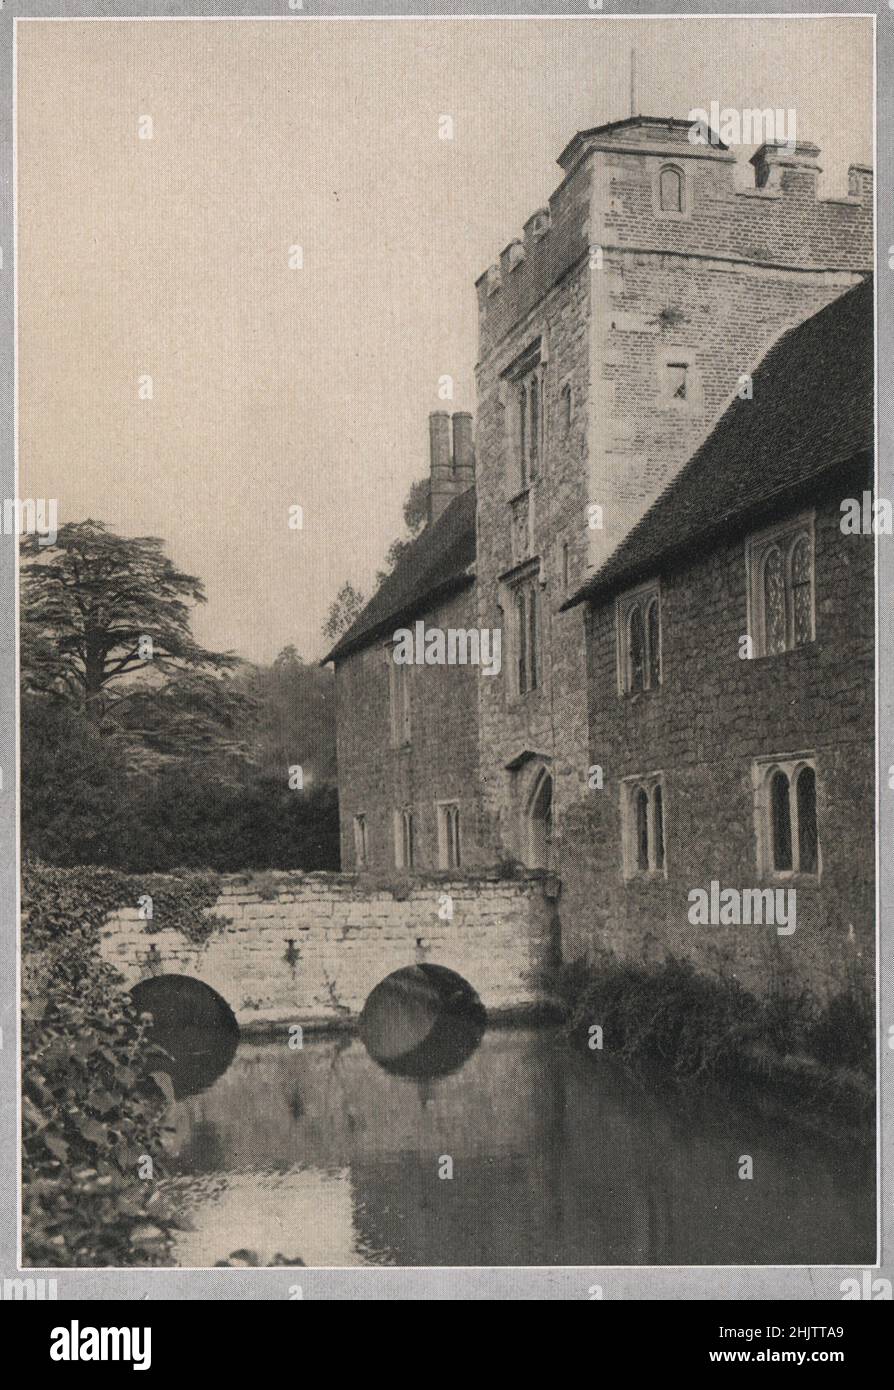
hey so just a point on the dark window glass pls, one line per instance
(523, 437)
(636, 649)
(781, 821)
(774, 604)
(534, 393)
(654, 644)
(658, 820)
(678, 380)
(533, 652)
(671, 190)
(642, 829)
(807, 836)
(801, 592)
(521, 613)
(566, 405)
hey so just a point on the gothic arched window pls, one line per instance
(781, 570)
(781, 821)
(787, 819)
(639, 640)
(642, 811)
(774, 604)
(807, 834)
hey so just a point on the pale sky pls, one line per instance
(275, 387)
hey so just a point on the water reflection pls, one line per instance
(194, 1028)
(557, 1160)
(423, 1021)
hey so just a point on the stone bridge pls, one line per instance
(311, 947)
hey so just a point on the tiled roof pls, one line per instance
(812, 409)
(438, 562)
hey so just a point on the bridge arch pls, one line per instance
(193, 1027)
(422, 1020)
(316, 948)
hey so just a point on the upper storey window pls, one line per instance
(671, 191)
(522, 395)
(780, 587)
(639, 640)
(529, 431)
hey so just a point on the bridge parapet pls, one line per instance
(312, 946)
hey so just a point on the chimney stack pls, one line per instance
(452, 472)
(777, 156)
(463, 451)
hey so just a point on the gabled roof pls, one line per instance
(438, 562)
(812, 411)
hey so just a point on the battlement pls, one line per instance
(644, 185)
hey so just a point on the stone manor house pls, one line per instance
(675, 395)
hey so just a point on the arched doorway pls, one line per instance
(539, 823)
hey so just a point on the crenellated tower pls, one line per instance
(612, 334)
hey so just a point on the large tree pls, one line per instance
(294, 717)
(106, 630)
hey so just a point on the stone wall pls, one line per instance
(440, 762)
(712, 715)
(713, 288)
(317, 948)
(547, 726)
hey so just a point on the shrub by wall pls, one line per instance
(94, 1089)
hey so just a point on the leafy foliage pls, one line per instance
(415, 513)
(293, 704)
(696, 1025)
(347, 605)
(91, 1110)
(84, 801)
(670, 1014)
(106, 630)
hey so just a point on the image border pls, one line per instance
(731, 1282)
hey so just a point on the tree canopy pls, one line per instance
(106, 628)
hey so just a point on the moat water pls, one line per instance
(322, 1156)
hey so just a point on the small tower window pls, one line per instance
(678, 380)
(566, 406)
(670, 189)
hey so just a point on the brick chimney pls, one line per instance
(463, 451)
(452, 470)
